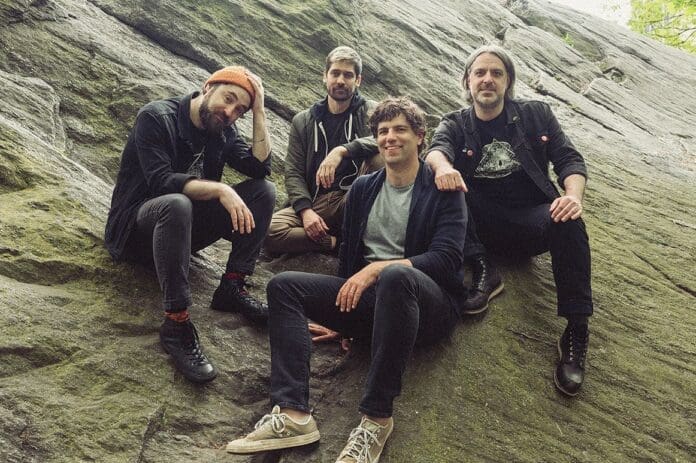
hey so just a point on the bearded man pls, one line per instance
(169, 202)
(330, 144)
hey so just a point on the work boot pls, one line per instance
(180, 340)
(485, 285)
(276, 431)
(232, 296)
(366, 442)
(572, 350)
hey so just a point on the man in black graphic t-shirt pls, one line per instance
(498, 151)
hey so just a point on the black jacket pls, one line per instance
(537, 139)
(156, 157)
(436, 224)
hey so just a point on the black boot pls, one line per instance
(485, 285)
(231, 296)
(180, 340)
(572, 350)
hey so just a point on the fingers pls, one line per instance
(565, 208)
(322, 333)
(242, 220)
(451, 181)
(325, 175)
(349, 296)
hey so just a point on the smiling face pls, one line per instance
(487, 82)
(341, 81)
(222, 105)
(398, 143)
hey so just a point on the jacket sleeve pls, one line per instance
(156, 156)
(445, 253)
(565, 158)
(238, 155)
(295, 169)
(447, 136)
(362, 148)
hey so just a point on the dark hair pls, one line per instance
(345, 54)
(507, 62)
(391, 107)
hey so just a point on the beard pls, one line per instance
(341, 93)
(213, 125)
(488, 103)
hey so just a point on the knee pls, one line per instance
(265, 191)
(277, 288)
(396, 277)
(177, 207)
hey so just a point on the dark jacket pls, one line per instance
(307, 140)
(537, 139)
(155, 160)
(436, 224)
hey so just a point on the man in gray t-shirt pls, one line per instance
(399, 282)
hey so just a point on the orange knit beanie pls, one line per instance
(236, 75)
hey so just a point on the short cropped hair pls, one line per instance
(391, 107)
(345, 54)
(507, 62)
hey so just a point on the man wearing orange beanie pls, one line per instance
(169, 202)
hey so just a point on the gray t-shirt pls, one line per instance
(385, 233)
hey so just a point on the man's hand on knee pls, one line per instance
(314, 226)
(242, 218)
(568, 207)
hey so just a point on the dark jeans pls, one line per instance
(528, 231)
(170, 227)
(403, 308)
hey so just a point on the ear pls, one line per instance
(358, 80)
(206, 88)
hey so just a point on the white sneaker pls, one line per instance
(366, 442)
(276, 431)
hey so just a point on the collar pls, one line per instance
(184, 124)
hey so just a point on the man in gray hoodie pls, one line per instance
(330, 144)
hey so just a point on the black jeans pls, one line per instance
(528, 231)
(403, 308)
(170, 227)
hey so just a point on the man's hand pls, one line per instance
(568, 207)
(314, 226)
(242, 219)
(349, 294)
(258, 89)
(447, 178)
(323, 334)
(327, 169)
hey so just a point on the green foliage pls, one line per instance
(670, 21)
(568, 39)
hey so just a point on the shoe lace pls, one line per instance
(577, 344)
(193, 348)
(276, 420)
(359, 443)
(479, 274)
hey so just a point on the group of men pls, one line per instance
(405, 230)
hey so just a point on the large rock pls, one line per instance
(82, 377)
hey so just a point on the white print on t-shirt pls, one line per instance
(498, 161)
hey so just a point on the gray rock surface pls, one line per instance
(82, 377)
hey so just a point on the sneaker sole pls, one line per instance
(555, 376)
(498, 289)
(272, 444)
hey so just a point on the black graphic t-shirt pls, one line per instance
(499, 174)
